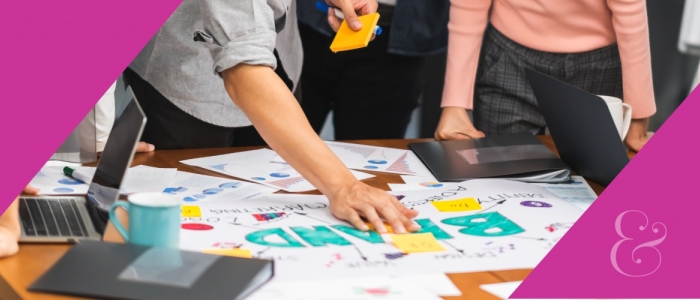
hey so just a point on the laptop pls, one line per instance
(581, 127)
(68, 219)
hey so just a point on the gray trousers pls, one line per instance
(503, 99)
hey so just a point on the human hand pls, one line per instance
(350, 9)
(637, 134)
(360, 200)
(145, 147)
(9, 230)
(455, 125)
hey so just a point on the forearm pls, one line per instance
(632, 32)
(277, 116)
(9, 230)
(468, 20)
(9, 220)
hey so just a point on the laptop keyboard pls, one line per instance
(51, 218)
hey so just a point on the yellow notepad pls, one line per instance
(347, 39)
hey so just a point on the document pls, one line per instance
(258, 166)
(50, 180)
(577, 191)
(346, 289)
(508, 225)
(195, 188)
(377, 159)
(501, 290)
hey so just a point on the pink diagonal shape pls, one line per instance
(58, 58)
(640, 238)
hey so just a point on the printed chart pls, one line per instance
(477, 225)
(258, 166)
(380, 159)
(201, 188)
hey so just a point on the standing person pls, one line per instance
(371, 91)
(210, 69)
(599, 46)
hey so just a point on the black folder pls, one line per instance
(519, 157)
(124, 271)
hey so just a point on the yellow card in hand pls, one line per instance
(191, 212)
(464, 204)
(230, 252)
(416, 242)
(348, 39)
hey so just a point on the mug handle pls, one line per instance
(113, 218)
(626, 120)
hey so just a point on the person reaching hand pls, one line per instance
(10, 226)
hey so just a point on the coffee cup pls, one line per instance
(154, 219)
(621, 114)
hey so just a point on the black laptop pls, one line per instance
(581, 127)
(66, 219)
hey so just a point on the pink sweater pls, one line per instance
(563, 26)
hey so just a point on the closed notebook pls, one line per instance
(520, 157)
(124, 271)
(348, 39)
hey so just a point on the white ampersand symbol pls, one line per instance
(651, 244)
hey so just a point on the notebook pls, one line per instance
(520, 157)
(348, 39)
(125, 271)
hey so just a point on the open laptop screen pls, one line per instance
(117, 155)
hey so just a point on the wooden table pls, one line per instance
(19, 271)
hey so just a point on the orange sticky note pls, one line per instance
(416, 242)
(348, 39)
(237, 252)
(464, 204)
(387, 226)
(191, 211)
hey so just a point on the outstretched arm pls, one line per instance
(276, 114)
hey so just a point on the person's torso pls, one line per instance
(563, 26)
(183, 70)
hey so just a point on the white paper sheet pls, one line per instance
(377, 159)
(257, 166)
(345, 289)
(51, 181)
(579, 192)
(194, 188)
(437, 283)
(410, 179)
(141, 179)
(515, 227)
(501, 290)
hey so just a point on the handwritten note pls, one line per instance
(465, 204)
(237, 252)
(191, 211)
(416, 242)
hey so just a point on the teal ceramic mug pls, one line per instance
(154, 219)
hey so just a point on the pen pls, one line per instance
(321, 6)
(75, 174)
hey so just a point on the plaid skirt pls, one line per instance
(503, 99)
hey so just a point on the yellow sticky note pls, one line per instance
(237, 252)
(191, 211)
(387, 226)
(416, 242)
(348, 39)
(464, 204)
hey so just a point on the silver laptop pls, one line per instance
(71, 219)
